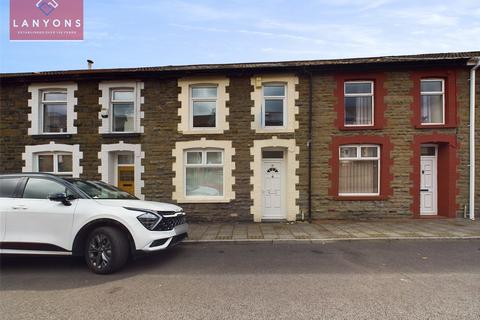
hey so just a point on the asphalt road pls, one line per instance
(341, 280)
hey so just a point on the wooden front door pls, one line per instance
(126, 176)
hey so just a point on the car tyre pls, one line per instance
(106, 250)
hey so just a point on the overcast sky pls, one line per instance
(128, 33)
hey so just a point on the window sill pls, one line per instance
(52, 136)
(220, 200)
(203, 131)
(353, 128)
(360, 198)
(121, 135)
(274, 130)
(435, 126)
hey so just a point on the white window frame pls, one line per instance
(55, 162)
(192, 100)
(422, 93)
(31, 161)
(372, 94)
(360, 158)
(203, 165)
(112, 101)
(282, 98)
(106, 113)
(43, 102)
(36, 104)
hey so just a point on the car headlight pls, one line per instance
(149, 219)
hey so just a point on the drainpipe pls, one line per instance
(472, 140)
(309, 141)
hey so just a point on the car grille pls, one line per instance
(168, 223)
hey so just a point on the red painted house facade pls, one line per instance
(368, 137)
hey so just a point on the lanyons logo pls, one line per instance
(47, 6)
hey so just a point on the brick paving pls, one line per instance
(336, 230)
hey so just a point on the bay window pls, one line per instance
(123, 110)
(359, 170)
(54, 111)
(359, 103)
(432, 93)
(204, 174)
(274, 102)
(203, 106)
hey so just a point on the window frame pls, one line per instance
(111, 109)
(44, 102)
(191, 100)
(55, 162)
(360, 158)
(345, 95)
(283, 98)
(422, 93)
(204, 164)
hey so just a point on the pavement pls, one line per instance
(382, 279)
(331, 230)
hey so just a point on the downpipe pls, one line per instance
(471, 202)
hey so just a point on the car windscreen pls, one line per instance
(100, 190)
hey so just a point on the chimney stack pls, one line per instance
(90, 64)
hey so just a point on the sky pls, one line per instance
(129, 33)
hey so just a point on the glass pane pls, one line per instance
(274, 90)
(204, 92)
(8, 186)
(348, 152)
(432, 109)
(272, 154)
(431, 86)
(64, 163)
(125, 158)
(368, 152)
(358, 87)
(358, 111)
(194, 157)
(204, 182)
(123, 117)
(274, 113)
(204, 114)
(54, 118)
(428, 151)
(214, 157)
(358, 177)
(45, 163)
(123, 95)
(55, 96)
(42, 188)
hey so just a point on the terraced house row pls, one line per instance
(369, 137)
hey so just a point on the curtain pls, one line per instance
(358, 176)
(358, 110)
(432, 109)
(204, 181)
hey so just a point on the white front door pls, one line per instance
(428, 185)
(273, 189)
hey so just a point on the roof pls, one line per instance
(449, 58)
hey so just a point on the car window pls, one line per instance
(8, 186)
(42, 188)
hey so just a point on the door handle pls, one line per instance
(20, 207)
(424, 190)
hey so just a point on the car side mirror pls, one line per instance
(60, 197)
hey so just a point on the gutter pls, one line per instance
(309, 140)
(471, 202)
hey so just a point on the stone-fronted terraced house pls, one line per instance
(368, 137)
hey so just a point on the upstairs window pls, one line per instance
(123, 110)
(432, 92)
(359, 170)
(359, 105)
(203, 106)
(274, 102)
(56, 162)
(54, 111)
(204, 173)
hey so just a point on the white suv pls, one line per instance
(48, 214)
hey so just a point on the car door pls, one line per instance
(8, 188)
(36, 223)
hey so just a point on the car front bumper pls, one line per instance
(160, 240)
